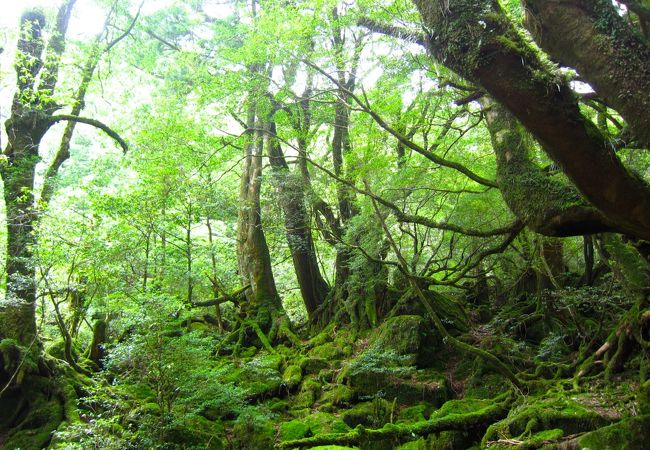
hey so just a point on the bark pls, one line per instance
(346, 82)
(588, 254)
(477, 40)
(97, 352)
(545, 204)
(254, 260)
(591, 37)
(291, 192)
(28, 123)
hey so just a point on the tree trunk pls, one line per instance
(591, 37)
(545, 204)
(254, 260)
(291, 192)
(477, 40)
(28, 123)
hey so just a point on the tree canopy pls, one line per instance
(257, 224)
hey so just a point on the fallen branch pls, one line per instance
(234, 298)
(456, 422)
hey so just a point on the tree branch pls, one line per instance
(403, 139)
(223, 299)
(93, 122)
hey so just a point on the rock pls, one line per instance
(339, 395)
(292, 376)
(402, 335)
(372, 414)
(313, 365)
(626, 434)
(294, 429)
(326, 352)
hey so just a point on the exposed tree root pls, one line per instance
(619, 346)
(471, 421)
(492, 360)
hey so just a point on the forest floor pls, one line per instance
(399, 386)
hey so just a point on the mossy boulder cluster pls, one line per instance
(349, 390)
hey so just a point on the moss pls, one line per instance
(339, 395)
(545, 414)
(312, 425)
(324, 336)
(372, 414)
(539, 439)
(401, 334)
(248, 352)
(292, 376)
(408, 386)
(260, 376)
(313, 365)
(294, 429)
(420, 444)
(137, 391)
(415, 413)
(326, 352)
(627, 434)
(485, 385)
(278, 405)
(42, 419)
(304, 399)
(644, 398)
(253, 433)
(334, 447)
(194, 431)
(327, 375)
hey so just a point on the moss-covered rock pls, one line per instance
(401, 335)
(278, 405)
(292, 376)
(313, 365)
(373, 414)
(407, 385)
(327, 352)
(338, 395)
(626, 434)
(538, 415)
(304, 399)
(415, 413)
(321, 422)
(260, 376)
(294, 429)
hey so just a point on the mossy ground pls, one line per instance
(346, 390)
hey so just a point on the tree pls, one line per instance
(592, 37)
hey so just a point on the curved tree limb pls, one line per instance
(223, 299)
(92, 122)
(492, 52)
(593, 38)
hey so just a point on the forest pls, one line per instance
(329, 224)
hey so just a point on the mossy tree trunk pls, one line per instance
(341, 146)
(290, 189)
(545, 204)
(592, 37)
(254, 261)
(478, 40)
(31, 118)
